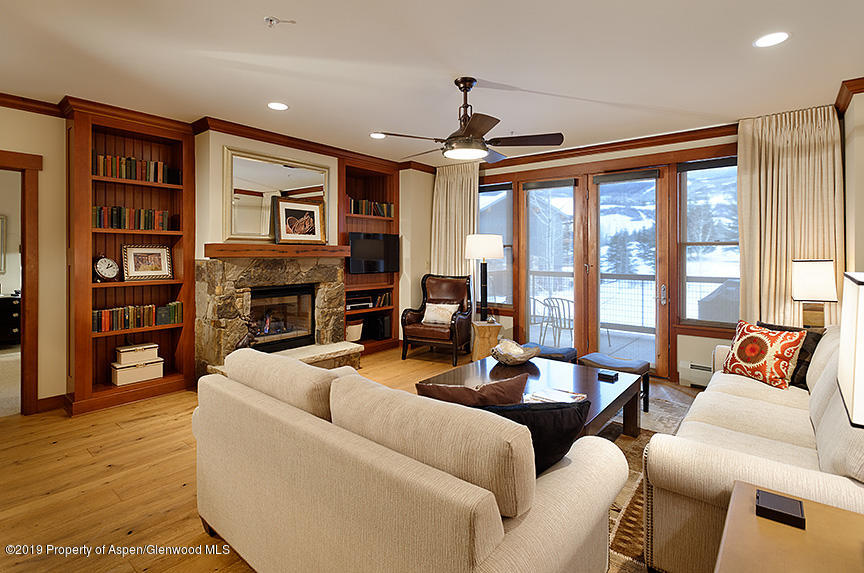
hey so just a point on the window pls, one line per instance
(708, 239)
(495, 216)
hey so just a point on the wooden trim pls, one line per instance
(303, 190)
(649, 141)
(273, 251)
(52, 403)
(32, 105)
(70, 104)
(29, 166)
(620, 164)
(847, 89)
(673, 288)
(417, 166)
(248, 192)
(240, 130)
(705, 331)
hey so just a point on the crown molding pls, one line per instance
(70, 104)
(848, 88)
(32, 105)
(416, 166)
(626, 144)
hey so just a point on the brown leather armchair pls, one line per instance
(442, 290)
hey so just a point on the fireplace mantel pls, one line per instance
(273, 251)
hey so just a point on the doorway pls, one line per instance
(19, 175)
(628, 300)
(10, 292)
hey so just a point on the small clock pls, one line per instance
(105, 269)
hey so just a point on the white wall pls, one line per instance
(415, 228)
(10, 207)
(210, 206)
(854, 132)
(45, 135)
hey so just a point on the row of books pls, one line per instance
(366, 207)
(127, 317)
(383, 299)
(137, 169)
(126, 218)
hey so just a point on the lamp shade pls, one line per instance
(850, 375)
(813, 280)
(484, 247)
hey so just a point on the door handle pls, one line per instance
(663, 295)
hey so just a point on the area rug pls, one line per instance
(10, 382)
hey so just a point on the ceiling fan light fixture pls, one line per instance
(377, 135)
(465, 149)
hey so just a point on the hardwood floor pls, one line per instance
(125, 477)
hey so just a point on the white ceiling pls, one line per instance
(620, 68)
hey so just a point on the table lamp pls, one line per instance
(813, 284)
(481, 247)
(850, 374)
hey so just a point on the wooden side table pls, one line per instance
(485, 338)
(832, 540)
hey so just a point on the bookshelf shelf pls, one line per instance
(355, 288)
(117, 133)
(368, 217)
(136, 232)
(122, 284)
(136, 330)
(142, 183)
(357, 311)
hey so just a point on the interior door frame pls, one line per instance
(663, 336)
(29, 166)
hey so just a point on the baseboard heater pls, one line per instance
(695, 374)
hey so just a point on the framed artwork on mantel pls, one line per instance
(298, 221)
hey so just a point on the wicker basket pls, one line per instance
(510, 353)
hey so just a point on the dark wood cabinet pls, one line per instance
(10, 320)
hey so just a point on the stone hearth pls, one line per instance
(223, 298)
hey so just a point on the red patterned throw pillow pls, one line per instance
(765, 355)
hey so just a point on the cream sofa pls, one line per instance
(740, 429)
(305, 469)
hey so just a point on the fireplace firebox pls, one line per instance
(282, 317)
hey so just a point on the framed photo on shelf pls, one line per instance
(147, 262)
(298, 221)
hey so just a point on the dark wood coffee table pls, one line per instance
(606, 397)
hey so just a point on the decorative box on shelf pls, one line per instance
(122, 374)
(137, 353)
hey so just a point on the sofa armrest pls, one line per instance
(707, 473)
(718, 356)
(571, 502)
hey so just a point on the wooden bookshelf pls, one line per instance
(91, 353)
(361, 180)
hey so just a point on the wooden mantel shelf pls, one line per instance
(273, 251)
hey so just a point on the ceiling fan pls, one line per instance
(468, 142)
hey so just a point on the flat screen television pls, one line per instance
(373, 253)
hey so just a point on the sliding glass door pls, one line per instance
(549, 278)
(628, 288)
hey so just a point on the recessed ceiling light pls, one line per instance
(377, 135)
(771, 39)
(277, 105)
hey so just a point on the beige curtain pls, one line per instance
(790, 206)
(454, 216)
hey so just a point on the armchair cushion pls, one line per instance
(427, 331)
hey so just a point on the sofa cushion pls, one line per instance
(762, 354)
(840, 445)
(749, 388)
(286, 379)
(476, 446)
(811, 340)
(755, 417)
(497, 393)
(762, 447)
(825, 387)
(823, 354)
(554, 426)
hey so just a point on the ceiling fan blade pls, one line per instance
(389, 134)
(525, 140)
(479, 125)
(494, 156)
(421, 153)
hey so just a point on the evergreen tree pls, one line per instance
(618, 259)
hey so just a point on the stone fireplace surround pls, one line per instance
(223, 298)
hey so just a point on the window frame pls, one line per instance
(501, 309)
(699, 327)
